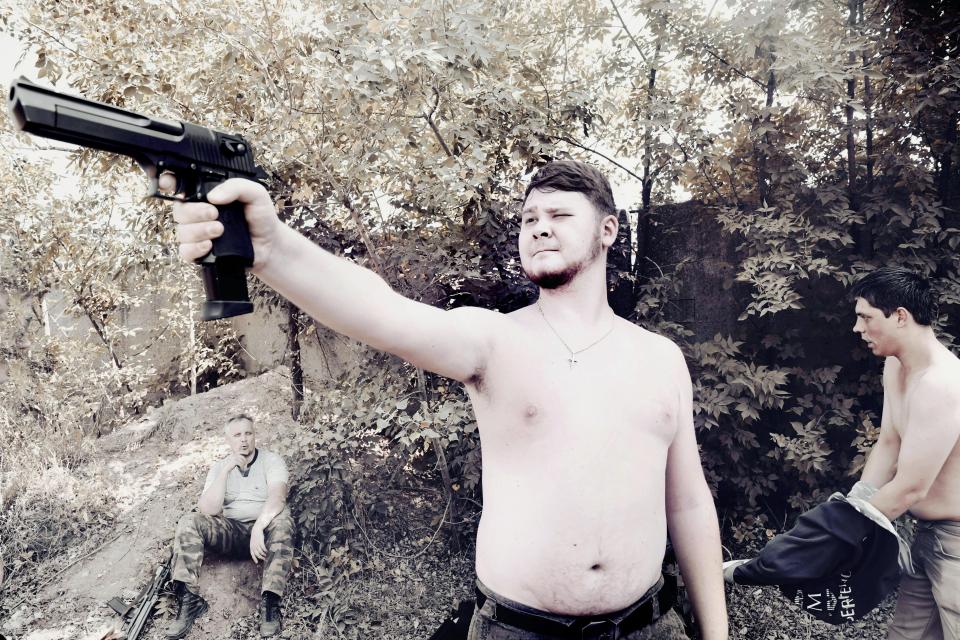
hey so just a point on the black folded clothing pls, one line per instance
(835, 563)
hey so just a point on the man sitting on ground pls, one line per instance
(242, 511)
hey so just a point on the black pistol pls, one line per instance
(198, 157)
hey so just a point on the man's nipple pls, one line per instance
(531, 412)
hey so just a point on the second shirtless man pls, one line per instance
(586, 423)
(915, 464)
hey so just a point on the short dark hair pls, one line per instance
(570, 175)
(889, 288)
(239, 416)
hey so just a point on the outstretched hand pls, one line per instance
(197, 223)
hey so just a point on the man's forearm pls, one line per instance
(271, 508)
(896, 497)
(880, 466)
(696, 541)
(211, 501)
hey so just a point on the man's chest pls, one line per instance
(252, 486)
(597, 401)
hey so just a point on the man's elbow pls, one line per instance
(914, 494)
(696, 498)
(207, 510)
(898, 502)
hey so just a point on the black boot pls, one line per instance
(269, 614)
(190, 606)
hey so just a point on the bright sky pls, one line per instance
(10, 51)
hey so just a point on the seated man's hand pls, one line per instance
(197, 221)
(235, 460)
(258, 548)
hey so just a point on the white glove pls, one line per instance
(728, 568)
(862, 490)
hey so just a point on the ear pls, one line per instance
(609, 227)
(902, 316)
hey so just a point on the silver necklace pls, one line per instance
(573, 354)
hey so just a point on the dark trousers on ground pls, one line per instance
(197, 533)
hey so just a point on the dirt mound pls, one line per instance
(157, 466)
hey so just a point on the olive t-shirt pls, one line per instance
(245, 496)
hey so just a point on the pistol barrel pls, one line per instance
(50, 114)
(199, 157)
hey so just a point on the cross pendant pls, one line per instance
(572, 360)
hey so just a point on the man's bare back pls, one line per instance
(573, 465)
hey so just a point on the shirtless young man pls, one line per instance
(589, 451)
(915, 464)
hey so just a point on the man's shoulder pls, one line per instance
(478, 315)
(270, 457)
(652, 343)
(941, 383)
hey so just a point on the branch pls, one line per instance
(627, 30)
(62, 44)
(433, 125)
(737, 71)
(595, 152)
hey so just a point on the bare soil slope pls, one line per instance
(157, 466)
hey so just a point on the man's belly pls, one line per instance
(569, 555)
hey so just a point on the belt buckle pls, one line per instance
(599, 630)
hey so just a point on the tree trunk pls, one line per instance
(296, 366)
(762, 151)
(643, 215)
(620, 261)
(647, 151)
(193, 351)
(865, 239)
(851, 141)
(455, 536)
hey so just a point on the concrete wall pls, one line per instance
(707, 304)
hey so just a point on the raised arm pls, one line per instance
(929, 435)
(692, 519)
(210, 501)
(340, 294)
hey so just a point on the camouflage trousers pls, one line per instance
(197, 533)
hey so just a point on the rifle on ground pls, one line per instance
(138, 611)
(198, 157)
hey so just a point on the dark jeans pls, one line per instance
(484, 627)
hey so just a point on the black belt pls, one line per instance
(597, 627)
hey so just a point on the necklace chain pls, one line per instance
(572, 359)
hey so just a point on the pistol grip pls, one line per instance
(224, 268)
